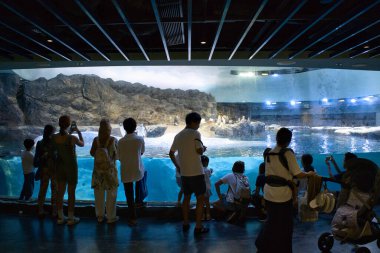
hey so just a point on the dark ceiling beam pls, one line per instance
(262, 5)
(307, 28)
(357, 45)
(353, 55)
(56, 13)
(126, 22)
(26, 49)
(374, 55)
(8, 53)
(42, 29)
(157, 16)
(226, 7)
(312, 55)
(189, 27)
(279, 28)
(90, 16)
(35, 41)
(335, 29)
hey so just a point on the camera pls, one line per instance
(73, 126)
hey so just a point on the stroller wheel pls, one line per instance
(325, 242)
(362, 250)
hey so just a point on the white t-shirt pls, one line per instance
(186, 143)
(27, 162)
(231, 180)
(129, 151)
(282, 193)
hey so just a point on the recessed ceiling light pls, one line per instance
(366, 47)
(285, 63)
(264, 74)
(50, 41)
(203, 42)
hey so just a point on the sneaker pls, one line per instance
(73, 221)
(62, 220)
(208, 217)
(201, 230)
(113, 220)
(100, 219)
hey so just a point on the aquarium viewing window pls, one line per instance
(330, 112)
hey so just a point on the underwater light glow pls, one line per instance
(247, 74)
(268, 102)
(293, 103)
(353, 100)
(325, 100)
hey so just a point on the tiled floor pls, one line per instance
(25, 233)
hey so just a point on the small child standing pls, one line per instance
(28, 169)
(207, 172)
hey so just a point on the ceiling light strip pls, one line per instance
(49, 7)
(263, 3)
(278, 28)
(35, 41)
(126, 22)
(30, 51)
(312, 55)
(43, 30)
(352, 56)
(189, 26)
(89, 15)
(158, 21)
(307, 28)
(335, 29)
(226, 7)
(357, 45)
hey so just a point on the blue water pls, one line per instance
(222, 152)
(161, 175)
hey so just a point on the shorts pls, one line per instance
(67, 174)
(194, 184)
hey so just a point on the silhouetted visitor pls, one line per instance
(339, 176)
(280, 167)
(233, 202)
(44, 159)
(207, 172)
(28, 170)
(130, 149)
(67, 167)
(104, 176)
(189, 146)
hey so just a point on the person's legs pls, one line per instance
(180, 193)
(199, 210)
(44, 183)
(60, 195)
(71, 204)
(54, 190)
(111, 205)
(207, 204)
(128, 189)
(276, 234)
(185, 208)
(22, 194)
(29, 187)
(99, 203)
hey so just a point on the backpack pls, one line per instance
(102, 159)
(281, 156)
(242, 190)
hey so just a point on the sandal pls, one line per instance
(201, 230)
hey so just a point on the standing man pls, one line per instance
(129, 151)
(280, 168)
(189, 146)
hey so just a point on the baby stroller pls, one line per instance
(353, 221)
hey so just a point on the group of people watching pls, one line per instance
(56, 159)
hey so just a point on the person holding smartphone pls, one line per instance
(340, 174)
(67, 167)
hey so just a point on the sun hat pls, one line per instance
(318, 201)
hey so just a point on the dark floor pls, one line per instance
(25, 233)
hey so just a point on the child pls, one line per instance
(28, 169)
(208, 173)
